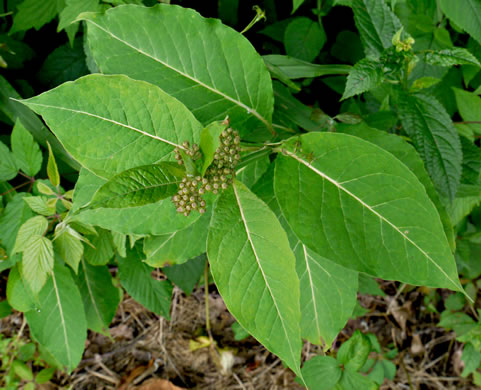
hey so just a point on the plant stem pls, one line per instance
(206, 298)
(15, 188)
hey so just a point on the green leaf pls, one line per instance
(8, 165)
(101, 249)
(45, 375)
(34, 13)
(52, 170)
(186, 275)
(209, 67)
(124, 124)
(68, 245)
(139, 186)
(135, 277)
(471, 358)
(471, 161)
(353, 353)
(466, 16)
(73, 8)
(19, 295)
(251, 173)
(26, 151)
(328, 291)
(304, 39)
(351, 380)
(450, 57)
(37, 262)
(428, 124)
(376, 23)
(16, 53)
(362, 227)
(5, 309)
(296, 4)
(423, 82)
(209, 142)
(171, 248)
(469, 107)
(59, 322)
(368, 285)
(321, 373)
(409, 157)
(22, 370)
(35, 226)
(254, 270)
(364, 76)
(40, 205)
(15, 214)
(100, 297)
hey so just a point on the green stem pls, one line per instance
(206, 298)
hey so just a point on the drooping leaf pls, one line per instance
(364, 76)
(8, 165)
(33, 13)
(328, 291)
(353, 192)
(124, 124)
(466, 15)
(376, 23)
(409, 157)
(35, 226)
(172, 249)
(186, 275)
(26, 151)
(428, 124)
(209, 67)
(254, 270)
(37, 262)
(321, 372)
(59, 322)
(68, 245)
(100, 297)
(450, 57)
(139, 186)
(135, 277)
(308, 32)
(295, 68)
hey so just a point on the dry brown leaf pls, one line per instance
(158, 384)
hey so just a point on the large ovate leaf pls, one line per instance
(321, 372)
(135, 277)
(364, 76)
(376, 23)
(403, 151)
(99, 296)
(211, 68)
(26, 151)
(328, 291)
(466, 14)
(308, 32)
(359, 206)
(428, 124)
(139, 186)
(113, 123)
(59, 322)
(254, 270)
(19, 295)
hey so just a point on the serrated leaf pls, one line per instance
(100, 297)
(209, 142)
(211, 68)
(362, 227)
(35, 226)
(254, 270)
(471, 161)
(59, 322)
(135, 277)
(170, 249)
(26, 151)
(403, 151)
(37, 262)
(8, 165)
(353, 353)
(467, 15)
(428, 124)
(40, 205)
(139, 186)
(376, 23)
(321, 372)
(68, 245)
(450, 57)
(124, 124)
(308, 32)
(364, 76)
(52, 170)
(34, 13)
(186, 275)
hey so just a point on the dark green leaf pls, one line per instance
(364, 76)
(353, 353)
(8, 165)
(352, 380)
(251, 173)
(467, 15)
(294, 68)
(304, 39)
(102, 249)
(26, 151)
(186, 275)
(34, 13)
(450, 57)
(321, 373)
(471, 358)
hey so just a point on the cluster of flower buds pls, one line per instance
(218, 176)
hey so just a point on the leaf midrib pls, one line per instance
(62, 319)
(381, 217)
(206, 86)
